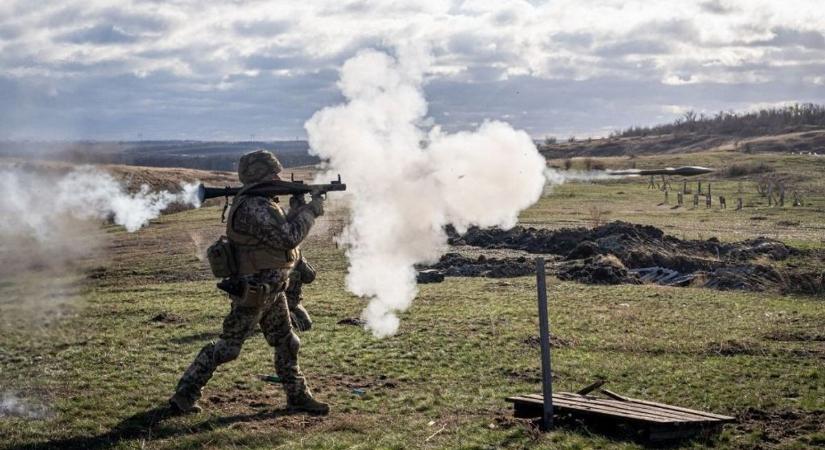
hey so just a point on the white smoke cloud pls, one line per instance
(50, 233)
(34, 205)
(556, 176)
(11, 405)
(408, 179)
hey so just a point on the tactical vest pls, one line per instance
(253, 254)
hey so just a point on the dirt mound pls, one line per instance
(621, 252)
(599, 269)
(743, 277)
(457, 265)
(559, 242)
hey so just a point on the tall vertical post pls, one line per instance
(544, 339)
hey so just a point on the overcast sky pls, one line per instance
(183, 69)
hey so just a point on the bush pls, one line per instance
(738, 170)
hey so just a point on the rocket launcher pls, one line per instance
(685, 171)
(272, 188)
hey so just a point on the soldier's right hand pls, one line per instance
(317, 204)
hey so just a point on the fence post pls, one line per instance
(544, 339)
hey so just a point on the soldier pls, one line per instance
(265, 242)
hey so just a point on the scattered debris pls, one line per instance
(732, 347)
(795, 336)
(352, 321)
(429, 276)
(270, 378)
(359, 392)
(744, 277)
(555, 342)
(782, 427)
(166, 317)
(663, 276)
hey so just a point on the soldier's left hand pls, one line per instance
(300, 318)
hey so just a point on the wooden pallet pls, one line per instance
(657, 421)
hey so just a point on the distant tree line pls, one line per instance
(188, 154)
(786, 119)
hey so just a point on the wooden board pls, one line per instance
(661, 421)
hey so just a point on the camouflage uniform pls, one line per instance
(263, 300)
(303, 273)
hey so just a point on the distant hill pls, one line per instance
(203, 155)
(791, 129)
(796, 142)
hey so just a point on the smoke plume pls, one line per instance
(556, 176)
(34, 203)
(408, 178)
(50, 230)
(11, 405)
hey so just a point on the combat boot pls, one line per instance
(183, 404)
(305, 403)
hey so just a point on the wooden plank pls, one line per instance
(627, 408)
(591, 387)
(562, 403)
(687, 410)
(625, 411)
(632, 406)
(613, 395)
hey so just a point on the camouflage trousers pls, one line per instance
(270, 310)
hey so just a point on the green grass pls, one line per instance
(105, 367)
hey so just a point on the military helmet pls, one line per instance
(257, 166)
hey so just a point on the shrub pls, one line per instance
(738, 170)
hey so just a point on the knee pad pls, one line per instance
(225, 351)
(293, 344)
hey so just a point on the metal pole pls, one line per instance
(544, 338)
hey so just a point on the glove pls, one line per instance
(317, 204)
(296, 201)
(305, 271)
(300, 318)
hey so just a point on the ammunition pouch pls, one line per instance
(232, 286)
(256, 294)
(222, 258)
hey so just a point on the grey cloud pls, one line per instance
(162, 105)
(787, 37)
(10, 31)
(716, 7)
(564, 107)
(134, 22)
(61, 17)
(634, 47)
(505, 18)
(684, 30)
(578, 40)
(266, 62)
(45, 92)
(262, 27)
(99, 34)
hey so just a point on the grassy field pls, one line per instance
(99, 375)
